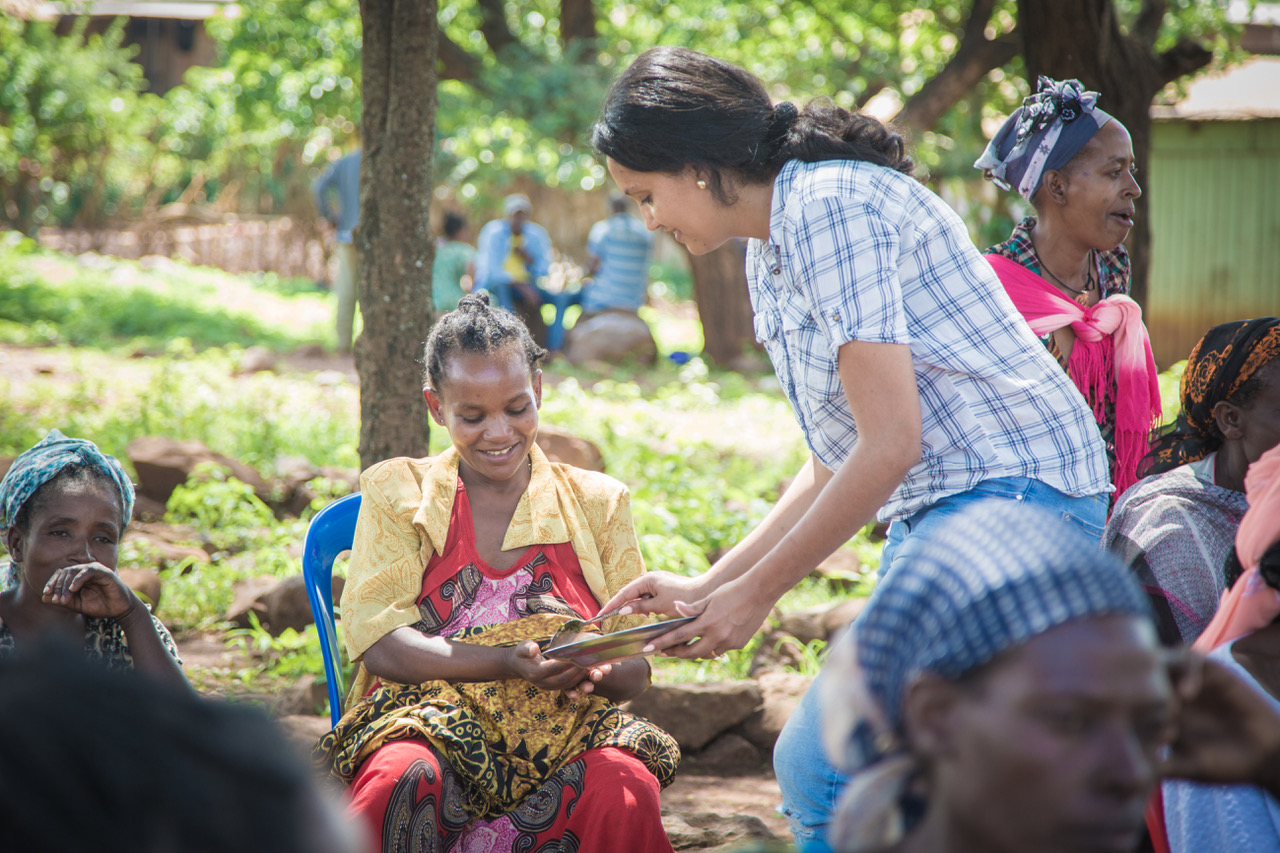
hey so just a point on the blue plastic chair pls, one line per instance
(331, 532)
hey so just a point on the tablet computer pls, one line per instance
(617, 646)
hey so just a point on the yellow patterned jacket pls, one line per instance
(404, 521)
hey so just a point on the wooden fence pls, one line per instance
(279, 244)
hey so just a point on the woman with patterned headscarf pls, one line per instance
(1004, 690)
(64, 506)
(1066, 268)
(1176, 527)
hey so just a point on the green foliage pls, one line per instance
(80, 141)
(49, 299)
(224, 508)
(290, 655)
(72, 120)
(1170, 392)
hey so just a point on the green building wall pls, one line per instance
(1215, 225)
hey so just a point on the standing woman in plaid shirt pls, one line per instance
(1066, 267)
(918, 386)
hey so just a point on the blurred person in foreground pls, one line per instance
(114, 763)
(1245, 638)
(1004, 691)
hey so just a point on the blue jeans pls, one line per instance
(505, 296)
(810, 784)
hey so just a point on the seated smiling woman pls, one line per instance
(459, 734)
(64, 506)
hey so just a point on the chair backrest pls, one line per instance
(331, 532)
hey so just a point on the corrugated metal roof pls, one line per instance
(1246, 91)
(172, 9)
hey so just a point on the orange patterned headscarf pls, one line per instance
(1217, 369)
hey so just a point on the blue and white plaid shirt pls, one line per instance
(858, 252)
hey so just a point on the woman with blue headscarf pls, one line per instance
(64, 506)
(1004, 690)
(1066, 268)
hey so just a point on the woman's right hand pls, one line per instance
(657, 592)
(525, 660)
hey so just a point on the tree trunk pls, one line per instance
(1084, 40)
(720, 289)
(394, 238)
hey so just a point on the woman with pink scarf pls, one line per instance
(1065, 267)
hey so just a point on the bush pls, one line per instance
(73, 122)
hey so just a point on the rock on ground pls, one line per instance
(694, 714)
(610, 337)
(163, 464)
(562, 446)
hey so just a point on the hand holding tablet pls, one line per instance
(608, 648)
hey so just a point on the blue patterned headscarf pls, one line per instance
(1043, 134)
(44, 461)
(992, 577)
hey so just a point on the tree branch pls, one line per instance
(1147, 26)
(493, 25)
(456, 63)
(1183, 58)
(965, 70)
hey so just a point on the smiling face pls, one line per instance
(677, 205)
(77, 522)
(1054, 746)
(1099, 189)
(489, 404)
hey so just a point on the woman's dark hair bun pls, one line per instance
(674, 108)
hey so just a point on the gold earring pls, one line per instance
(702, 185)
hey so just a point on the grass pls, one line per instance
(104, 303)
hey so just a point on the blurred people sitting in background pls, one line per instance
(619, 249)
(1175, 528)
(454, 261)
(64, 506)
(512, 256)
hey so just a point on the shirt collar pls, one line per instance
(537, 520)
(781, 187)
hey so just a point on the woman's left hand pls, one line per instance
(90, 589)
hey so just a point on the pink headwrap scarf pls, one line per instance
(1251, 603)
(1110, 341)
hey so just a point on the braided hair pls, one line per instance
(475, 326)
(674, 108)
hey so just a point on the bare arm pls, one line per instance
(408, 656)
(880, 387)
(661, 590)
